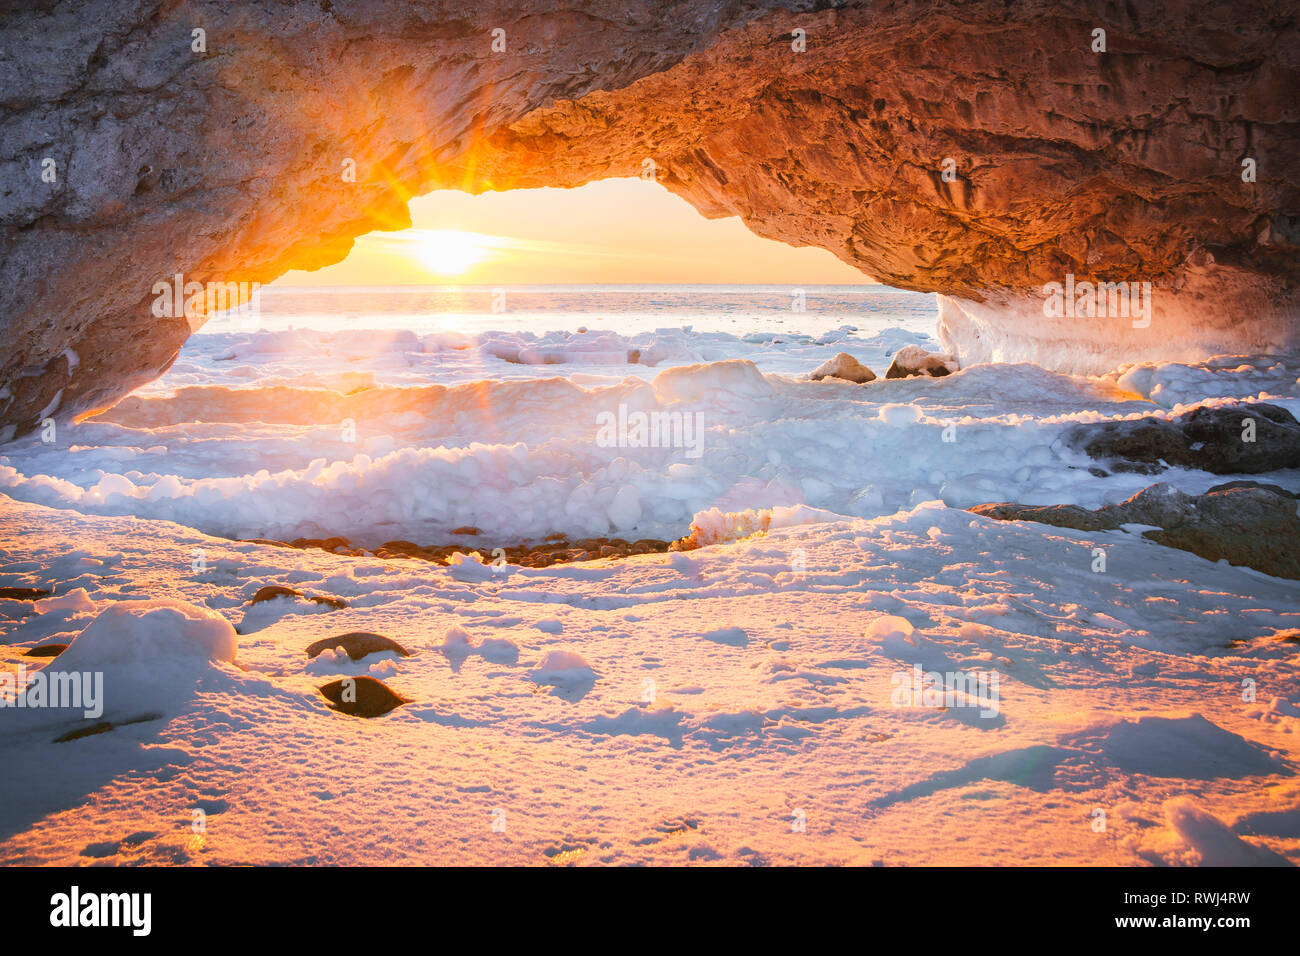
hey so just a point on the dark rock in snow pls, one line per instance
(1276, 489)
(358, 644)
(102, 727)
(23, 594)
(1246, 438)
(46, 650)
(1252, 527)
(272, 591)
(362, 697)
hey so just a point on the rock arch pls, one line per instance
(226, 163)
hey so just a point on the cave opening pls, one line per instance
(496, 379)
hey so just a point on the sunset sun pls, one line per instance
(450, 252)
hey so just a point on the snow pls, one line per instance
(625, 510)
(890, 627)
(1172, 384)
(665, 708)
(1211, 842)
(75, 600)
(147, 634)
(735, 734)
(149, 655)
(521, 459)
(900, 415)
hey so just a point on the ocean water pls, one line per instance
(626, 309)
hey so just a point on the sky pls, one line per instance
(611, 231)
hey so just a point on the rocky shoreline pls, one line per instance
(555, 549)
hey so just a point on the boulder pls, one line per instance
(914, 360)
(1252, 527)
(1242, 438)
(843, 366)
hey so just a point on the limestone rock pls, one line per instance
(227, 165)
(914, 360)
(843, 366)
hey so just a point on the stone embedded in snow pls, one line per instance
(358, 644)
(23, 594)
(1233, 439)
(46, 650)
(1245, 526)
(843, 366)
(914, 360)
(272, 591)
(362, 696)
(103, 727)
(1264, 486)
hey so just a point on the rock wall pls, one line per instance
(228, 163)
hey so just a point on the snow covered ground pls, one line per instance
(767, 700)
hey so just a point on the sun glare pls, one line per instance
(451, 252)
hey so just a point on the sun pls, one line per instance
(451, 252)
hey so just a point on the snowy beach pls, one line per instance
(761, 698)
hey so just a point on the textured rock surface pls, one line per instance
(1247, 438)
(843, 366)
(227, 165)
(1246, 526)
(913, 360)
